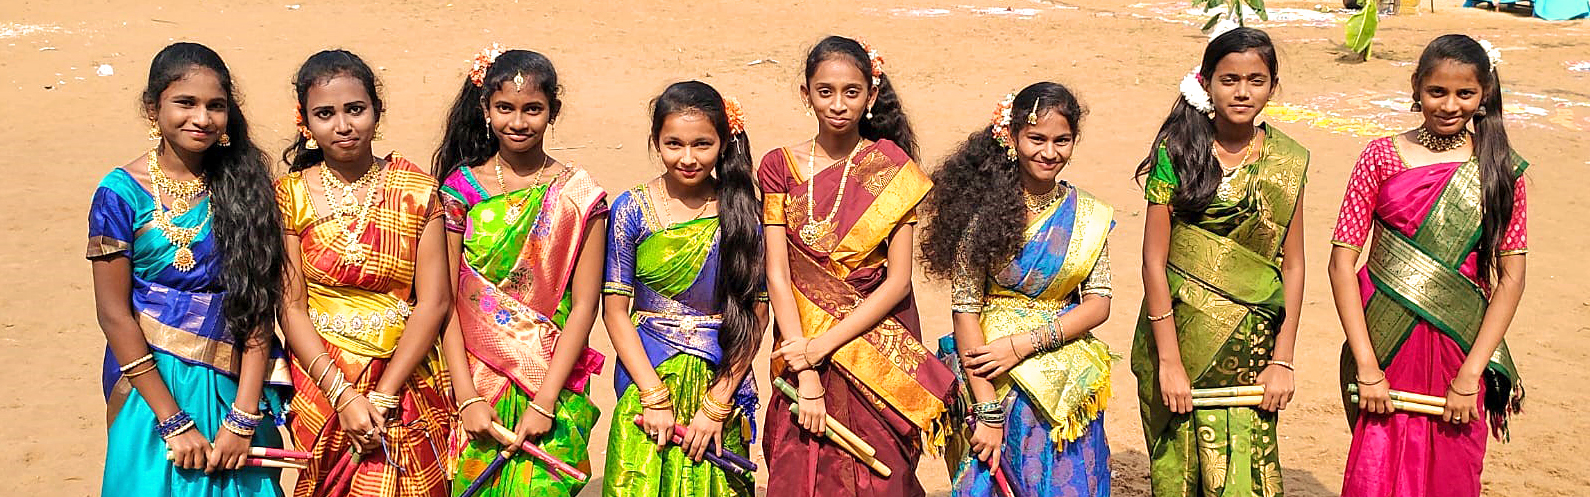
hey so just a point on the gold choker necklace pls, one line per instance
(1038, 203)
(1437, 143)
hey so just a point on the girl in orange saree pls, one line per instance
(839, 278)
(366, 294)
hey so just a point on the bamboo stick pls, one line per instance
(1242, 391)
(871, 462)
(833, 424)
(537, 453)
(1241, 401)
(1413, 407)
(1411, 397)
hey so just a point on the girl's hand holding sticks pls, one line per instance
(1462, 397)
(703, 432)
(535, 422)
(1278, 387)
(987, 442)
(813, 411)
(1374, 395)
(658, 423)
(477, 418)
(230, 451)
(360, 420)
(1175, 389)
(189, 449)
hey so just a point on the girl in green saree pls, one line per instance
(684, 270)
(1222, 276)
(525, 240)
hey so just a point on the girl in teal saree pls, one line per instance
(682, 304)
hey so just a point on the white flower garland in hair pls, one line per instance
(1192, 90)
(1491, 53)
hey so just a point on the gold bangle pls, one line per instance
(542, 410)
(1162, 317)
(818, 397)
(1284, 364)
(383, 400)
(1371, 383)
(315, 361)
(345, 403)
(657, 397)
(468, 401)
(1451, 387)
(714, 410)
(129, 366)
(136, 374)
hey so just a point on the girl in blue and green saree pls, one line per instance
(1222, 276)
(525, 242)
(1030, 280)
(684, 271)
(187, 276)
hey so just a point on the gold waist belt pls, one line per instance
(364, 326)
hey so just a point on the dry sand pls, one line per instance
(67, 126)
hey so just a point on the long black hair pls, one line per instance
(1491, 147)
(888, 119)
(1188, 133)
(318, 69)
(242, 203)
(740, 273)
(976, 197)
(468, 139)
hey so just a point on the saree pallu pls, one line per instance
(511, 301)
(194, 352)
(359, 308)
(1228, 300)
(1423, 304)
(884, 385)
(1055, 400)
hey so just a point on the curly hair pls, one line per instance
(976, 196)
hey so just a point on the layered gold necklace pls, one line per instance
(516, 207)
(1039, 203)
(816, 229)
(180, 236)
(1437, 143)
(348, 206)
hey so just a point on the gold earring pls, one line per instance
(309, 140)
(1416, 107)
(377, 136)
(225, 141)
(154, 131)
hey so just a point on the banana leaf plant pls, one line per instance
(1361, 30)
(1233, 10)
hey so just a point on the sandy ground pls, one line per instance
(67, 126)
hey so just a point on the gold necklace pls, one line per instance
(816, 230)
(180, 236)
(516, 208)
(180, 191)
(353, 250)
(1226, 189)
(1039, 203)
(663, 213)
(1437, 143)
(349, 201)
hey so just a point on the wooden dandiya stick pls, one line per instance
(833, 424)
(738, 460)
(265, 452)
(487, 474)
(711, 456)
(1413, 407)
(1241, 401)
(264, 462)
(871, 461)
(1002, 483)
(1410, 397)
(540, 454)
(1242, 391)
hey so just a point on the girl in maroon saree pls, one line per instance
(839, 278)
(1444, 276)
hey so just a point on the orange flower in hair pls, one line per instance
(876, 59)
(731, 106)
(483, 62)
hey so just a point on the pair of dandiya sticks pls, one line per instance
(540, 454)
(1247, 396)
(267, 457)
(847, 440)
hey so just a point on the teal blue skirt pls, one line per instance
(135, 455)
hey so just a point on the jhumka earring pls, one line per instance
(1415, 107)
(309, 140)
(225, 141)
(154, 130)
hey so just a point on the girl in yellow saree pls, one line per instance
(1222, 276)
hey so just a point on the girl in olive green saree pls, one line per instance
(1223, 276)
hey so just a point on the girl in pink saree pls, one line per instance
(1443, 278)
